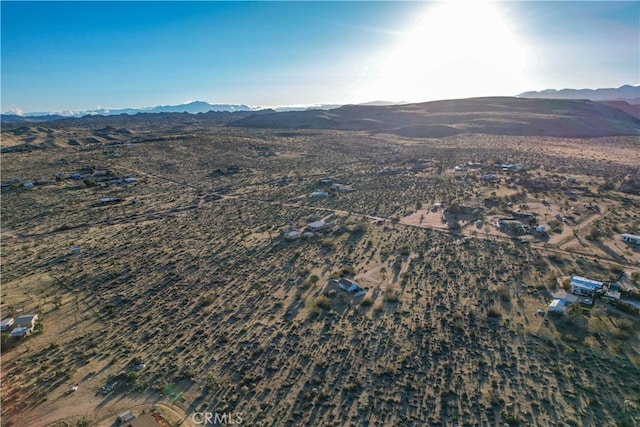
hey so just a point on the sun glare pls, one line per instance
(456, 50)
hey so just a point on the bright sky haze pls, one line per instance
(59, 56)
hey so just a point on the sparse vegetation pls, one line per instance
(190, 276)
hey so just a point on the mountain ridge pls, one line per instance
(435, 119)
(488, 115)
(627, 93)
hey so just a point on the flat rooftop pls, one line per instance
(583, 281)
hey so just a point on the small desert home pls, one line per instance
(292, 235)
(25, 325)
(348, 285)
(634, 239)
(317, 226)
(583, 286)
(561, 302)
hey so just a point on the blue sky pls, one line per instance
(82, 55)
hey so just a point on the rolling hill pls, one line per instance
(494, 115)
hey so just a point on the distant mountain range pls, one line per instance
(625, 98)
(437, 119)
(192, 107)
(628, 93)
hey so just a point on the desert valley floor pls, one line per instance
(163, 262)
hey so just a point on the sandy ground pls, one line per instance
(104, 411)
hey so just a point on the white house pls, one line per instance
(583, 286)
(342, 188)
(348, 285)
(317, 226)
(630, 238)
(292, 235)
(540, 229)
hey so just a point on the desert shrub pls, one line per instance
(211, 381)
(132, 377)
(391, 369)
(348, 270)
(331, 293)
(361, 227)
(4, 340)
(39, 326)
(558, 259)
(504, 293)
(618, 271)
(323, 302)
(625, 325)
(494, 312)
(555, 226)
(206, 300)
(595, 233)
(620, 334)
(626, 307)
(391, 294)
(574, 314)
(305, 284)
(511, 419)
(366, 301)
(314, 310)
(328, 243)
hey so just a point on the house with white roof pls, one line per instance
(583, 286)
(317, 226)
(634, 239)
